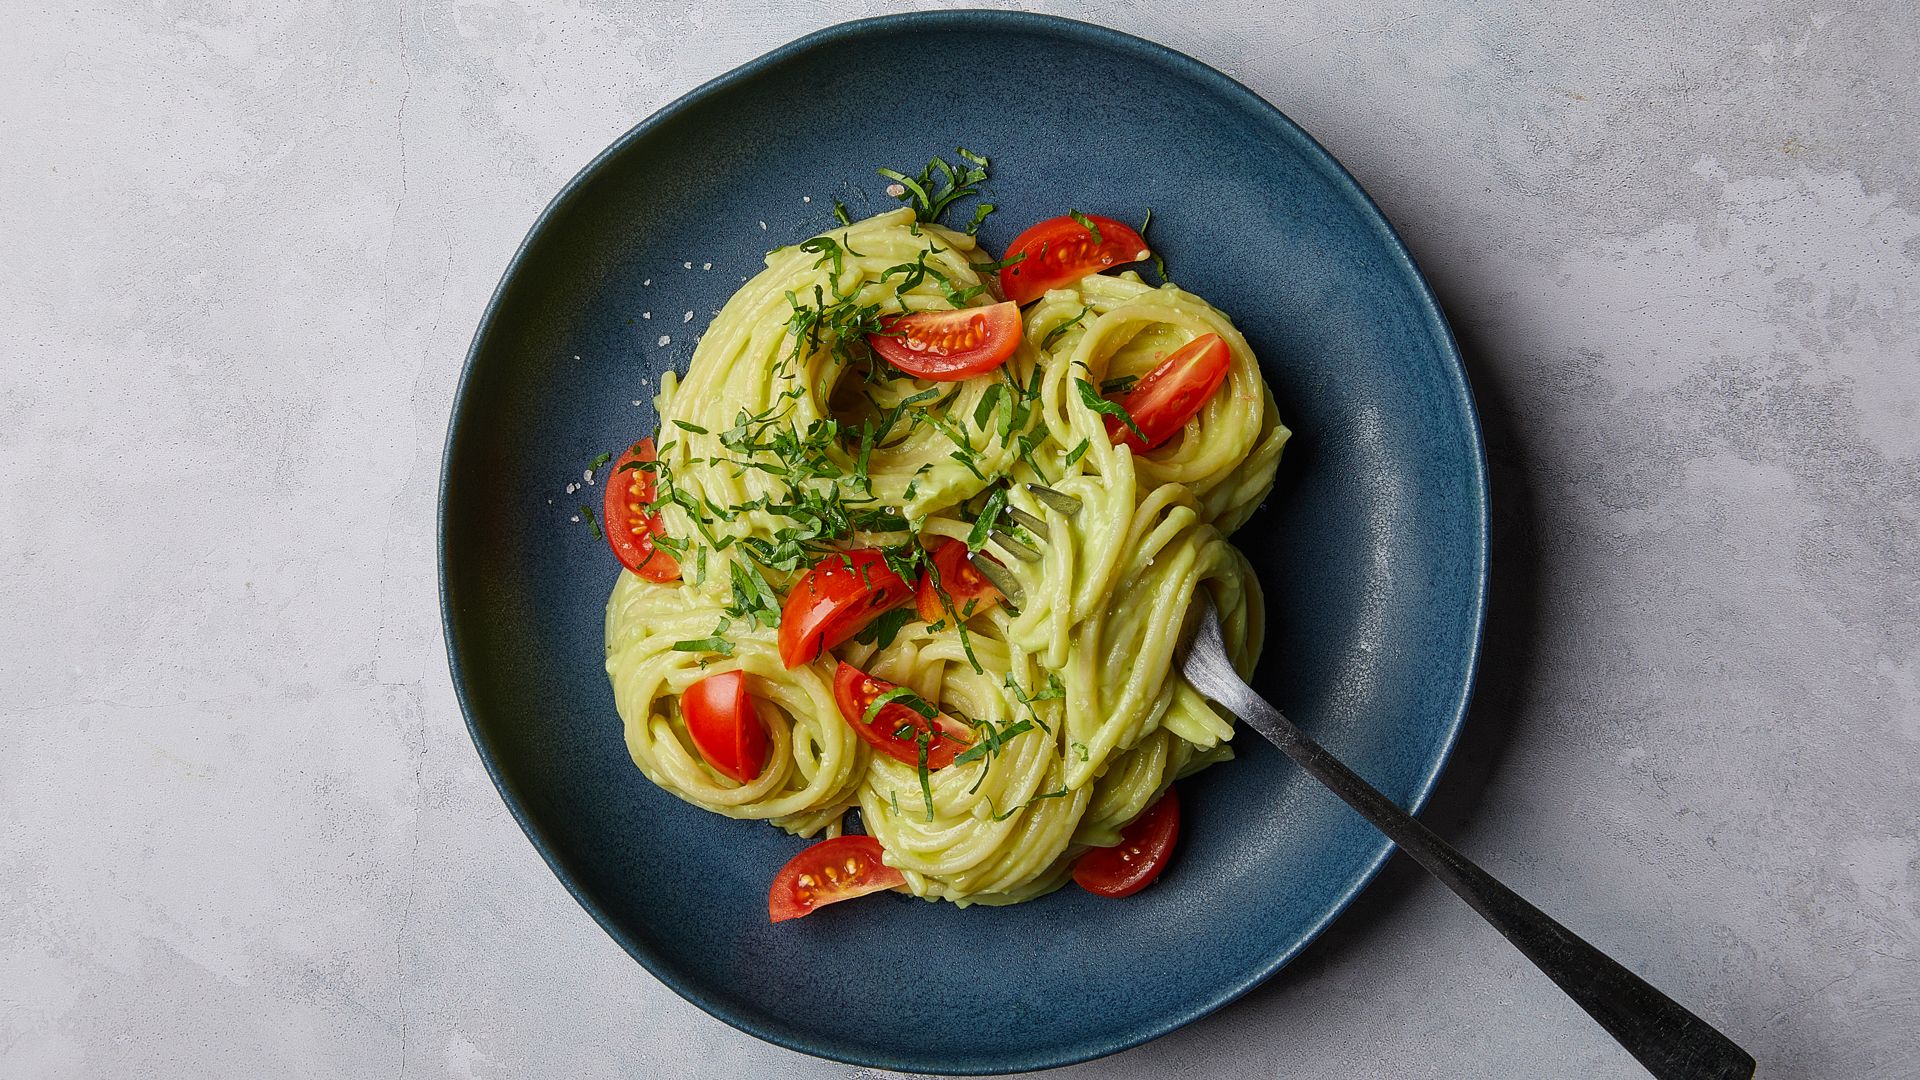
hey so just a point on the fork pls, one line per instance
(1671, 1042)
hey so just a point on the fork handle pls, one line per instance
(1671, 1042)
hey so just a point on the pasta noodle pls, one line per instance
(1081, 677)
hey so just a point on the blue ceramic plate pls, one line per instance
(1373, 548)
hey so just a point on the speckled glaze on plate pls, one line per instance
(1373, 548)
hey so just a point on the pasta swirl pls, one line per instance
(1074, 689)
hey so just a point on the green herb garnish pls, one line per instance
(940, 185)
(993, 740)
(1055, 333)
(1049, 795)
(926, 782)
(1088, 224)
(983, 412)
(881, 631)
(706, 644)
(906, 697)
(983, 525)
(753, 598)
(1092, 399)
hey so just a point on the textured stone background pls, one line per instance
(242, 830)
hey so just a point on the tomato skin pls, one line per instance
(947, 346)
(1172, 393)
(724, 726)
(831, 602)
(961, 581)
(827, 873)
(629, 526)
(1060, 251)
(854, 690)
(1144, 849)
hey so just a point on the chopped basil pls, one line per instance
(882, 630)
(983, 412)
(1094, 401)
(1088, 224)
(999, 264)
(926, 782)
(940, 185)
(706, 644)
(1049, 795)
(1055, 333)
(983, 526)
(906, 697)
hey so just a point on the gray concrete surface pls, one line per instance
(243, 833)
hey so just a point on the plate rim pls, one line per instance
(1427, 308)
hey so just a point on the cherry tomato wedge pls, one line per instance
(1060, 251)
(842, 593)
(725, 728)
(896, 731)
(629, 525)
(960, 580)
(1144, 849)
(947, 346)
(827, 873)
(1173, 393)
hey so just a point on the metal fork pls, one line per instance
(1671, 1042)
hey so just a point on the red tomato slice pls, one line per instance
(624, 517)
(1173, 393)
(1060, 251)
(947, 346)
(827, 873)
(725, 728)
(842, 593)
(959, 579)
(1144, 849)
(854, 690)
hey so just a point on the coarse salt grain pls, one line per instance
(636, 402)
(703, 266)
(763, 226)
(571, 488)
(686, 266)
(806, 198)
(896, 190)
(646, 314)
(576, 517)
(665, 341)
(586, 476)
(688, 317)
